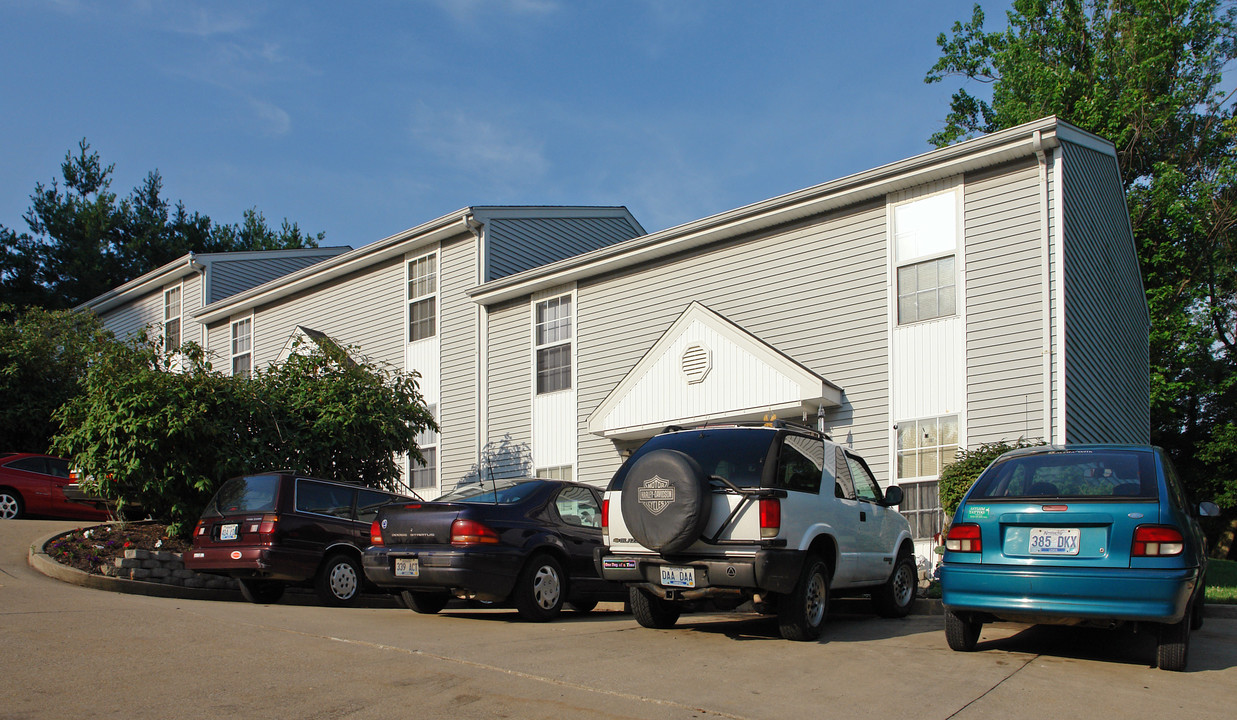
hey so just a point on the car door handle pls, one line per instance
(863, 516)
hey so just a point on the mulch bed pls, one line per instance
(90, 549)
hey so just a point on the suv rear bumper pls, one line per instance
(770, 570)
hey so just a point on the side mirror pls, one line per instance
(893, 496)
(1208, 509)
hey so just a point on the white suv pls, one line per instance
(781, 516)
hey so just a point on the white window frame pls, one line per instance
(178, 317)
(905, 258)
(247, 352)
(558, 472)
(419, 296)
(556, 343)
(915, 428)
(427, 443)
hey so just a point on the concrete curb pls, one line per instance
(41, 562)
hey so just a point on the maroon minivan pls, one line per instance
(277, 529)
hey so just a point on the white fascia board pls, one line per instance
(393, 246)
(986, 151)
(181, 267)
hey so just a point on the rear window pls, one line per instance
(249, 494)
(737, 455)
(501, 492)
(1074, 474)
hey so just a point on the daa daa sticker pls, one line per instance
(976, 512)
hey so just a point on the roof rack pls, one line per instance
(777, 424)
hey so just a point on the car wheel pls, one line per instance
(961, 634)
(801, 613)
(652, 612)
(1173, 645)
(541, 589)
(895, 598)
(665, 501)
(583, 606)
(10, 505)
(425, 603)
(339, 581)
(262, 592)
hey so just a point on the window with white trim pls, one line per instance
(552, 335)
(560, 472)
(242, 347)
(422, 297)
(422, 475)
(171, 319)
(924, 447)
(925, 238)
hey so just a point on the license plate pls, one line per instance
(407, 567)
(678, 577)
(1054, 541)
(228, 532)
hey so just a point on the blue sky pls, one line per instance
(364, 119)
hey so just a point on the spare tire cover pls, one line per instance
(666, 501)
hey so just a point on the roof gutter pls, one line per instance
(1022, 141)
(178, 268)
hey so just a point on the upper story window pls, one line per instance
(242, 347)
(552, 335)
(171, 319)
(925, 238)
(422, 297)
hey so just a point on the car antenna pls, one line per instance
(493, 482)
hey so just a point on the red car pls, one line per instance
(34, 485)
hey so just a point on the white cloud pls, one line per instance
(274, 119)
(502, 154)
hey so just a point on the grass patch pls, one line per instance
(1221, 582)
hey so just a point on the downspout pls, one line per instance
(200, 269)
(481, 328)
(1041, 155)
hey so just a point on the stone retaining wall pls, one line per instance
(165, 568)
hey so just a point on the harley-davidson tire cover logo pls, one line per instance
(656, 495)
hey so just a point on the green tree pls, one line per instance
(43, 358)
(165, 440)
(83, 239)
(1145, 74)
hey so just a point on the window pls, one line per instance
(242, 347)
(926, 291)
(924, 447)
(171, 319)
(552, 335)
(562, 472)
(425, 474)
(865, 485)
(322, 499)
(368, 502)
(422, 301)
(925, 239)
(578, 506)
(800, 464)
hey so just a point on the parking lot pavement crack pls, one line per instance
(990, 690)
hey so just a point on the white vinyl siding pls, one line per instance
(459, 447)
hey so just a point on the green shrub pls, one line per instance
(958, 477)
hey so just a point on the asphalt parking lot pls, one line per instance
(71, 651)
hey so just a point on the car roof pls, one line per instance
(1079, 447)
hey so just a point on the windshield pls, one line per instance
(502, 492)
(252, 493)
(735, 454)
(1072, 474)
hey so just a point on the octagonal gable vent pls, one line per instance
(696, 362)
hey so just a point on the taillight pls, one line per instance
(770, 517)
(200, 529)
(471, 532)
(267, 526)
(964, 538)
(605, 522)
(375, 533)
(1157, 541)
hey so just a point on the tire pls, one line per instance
(262, 592)
(11, 506)
(1196, 609)
(339, 581)
(895, 598)
(652, 612)
(961, 634)
(801, 613)
(665, 501)
(425, 603)
(1172, 647)
(541, 589)
(583, 606)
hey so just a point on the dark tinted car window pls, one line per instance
(865, 485)
(34, 465)
(252, 493)
(1072, 474)
(800, 465)
(368, 502)
(58, 467)
(737, 455)
(499, 491)
(324, 499)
